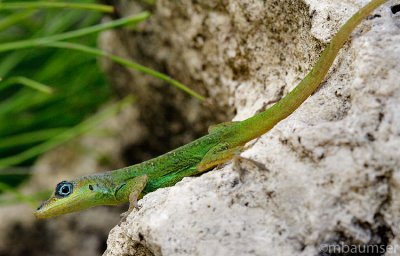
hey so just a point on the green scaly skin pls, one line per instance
(221, 144)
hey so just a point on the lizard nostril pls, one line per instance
(40, 207)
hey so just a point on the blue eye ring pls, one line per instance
(64, 188)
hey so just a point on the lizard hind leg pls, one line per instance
(219, 154)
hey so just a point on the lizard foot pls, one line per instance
(133, 204)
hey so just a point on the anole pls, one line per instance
(221, 144)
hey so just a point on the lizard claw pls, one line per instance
(133, 204)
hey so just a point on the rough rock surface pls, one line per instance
(329, 174)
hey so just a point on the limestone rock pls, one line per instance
(327, 175)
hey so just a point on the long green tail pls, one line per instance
(263, 122)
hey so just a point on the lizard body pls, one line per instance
(221, 143)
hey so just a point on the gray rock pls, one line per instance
(327, 175)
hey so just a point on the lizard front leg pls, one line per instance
(131, 190)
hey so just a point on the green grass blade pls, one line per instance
(14, 18)
(28, 83)
(74, 132)
(38, 5)
(131, 20)
(126, 63)
(30, 137)
(23, 171)
(10, 61)
(19, 102)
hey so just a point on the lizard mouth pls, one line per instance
(42, 211)
(40, 206)
(39, 213)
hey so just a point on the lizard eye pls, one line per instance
(64, 188)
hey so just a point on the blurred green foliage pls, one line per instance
(79, 85)
(48, 89)
(69, 84)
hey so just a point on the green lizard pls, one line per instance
(221, 143)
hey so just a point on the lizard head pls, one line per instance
(71, 196)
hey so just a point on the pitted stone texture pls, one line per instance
(328, 174)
